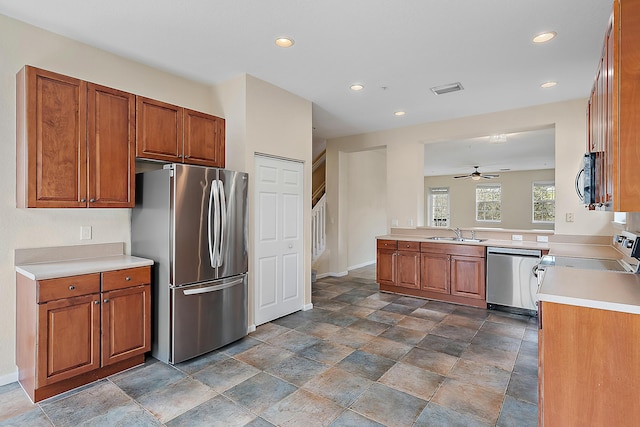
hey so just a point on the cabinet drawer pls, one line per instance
(387, 244)
(454, 249)
(67, 287)
(408, 246)
(120, 279)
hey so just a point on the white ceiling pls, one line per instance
(527, 150)
(405, 46)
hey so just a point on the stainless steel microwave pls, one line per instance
(586, 180)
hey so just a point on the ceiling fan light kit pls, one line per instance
(476, 175)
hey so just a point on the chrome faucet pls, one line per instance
(458, 232)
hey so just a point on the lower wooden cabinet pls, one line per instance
(589, 366)
(441, 271)
(72, 331)
(398, 263)
(68, 335)
(126, 330)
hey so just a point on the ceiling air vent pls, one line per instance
(451, 87)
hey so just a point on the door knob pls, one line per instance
(290, 246)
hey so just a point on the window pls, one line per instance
(439, 207)
(544, 202)
(488, 202)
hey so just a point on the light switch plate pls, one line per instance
(516, 237)
(543, 239)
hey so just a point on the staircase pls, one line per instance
(319, 211)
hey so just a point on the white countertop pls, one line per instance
(74, 267)
(484, 242)
(606, 290)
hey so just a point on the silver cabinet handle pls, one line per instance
(128, 278)
(71, 287)
(106, 300)
(92, 200)
(290, 246)
(96, 302)
(83, 200)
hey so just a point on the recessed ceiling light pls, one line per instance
(545, 37)
(356, 87)
(399, 113)
(284, 42)
(546, 85)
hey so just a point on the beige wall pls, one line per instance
(367, 212)
(516, 200)
(260, 117)
(405, 156)
(279, 123)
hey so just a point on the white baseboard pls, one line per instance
(344, 273)
(364, 264)
(307, 307)
(251, 328)
(9, 378)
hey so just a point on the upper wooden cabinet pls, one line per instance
(75, 143)
(175, 134)
(613, 128)
(111, 147)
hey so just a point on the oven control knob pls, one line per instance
(628, 244)
(618, 238)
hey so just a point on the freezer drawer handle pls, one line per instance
(212, 288)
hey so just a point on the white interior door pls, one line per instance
(279, 239)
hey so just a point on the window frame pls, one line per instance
(533, 201)
(430, 205)
(480, 186)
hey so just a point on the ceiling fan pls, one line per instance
(476, 175)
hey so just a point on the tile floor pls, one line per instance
(359, 358)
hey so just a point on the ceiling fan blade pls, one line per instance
(461, 176)
(490, 176)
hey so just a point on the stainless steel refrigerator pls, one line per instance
(192, 221)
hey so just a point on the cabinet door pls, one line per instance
(386, 267)
(204, 136)
(68, 338)
(435, 274)
(408, 275)
(52, 157)
(126, 323)
(111, 145)
(467, 276)
(158, 130)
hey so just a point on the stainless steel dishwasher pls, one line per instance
(510, 278)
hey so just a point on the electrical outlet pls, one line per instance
(516, 237)
(85, 232)
(543, 239)
(569, 217)
(394, 222)
(410, 223)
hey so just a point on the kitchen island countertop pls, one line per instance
(606, 290)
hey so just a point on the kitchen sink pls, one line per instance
(455, 239)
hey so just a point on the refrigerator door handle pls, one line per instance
(212, 231)
(216, 224)
(223, 215)
(213, 288)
